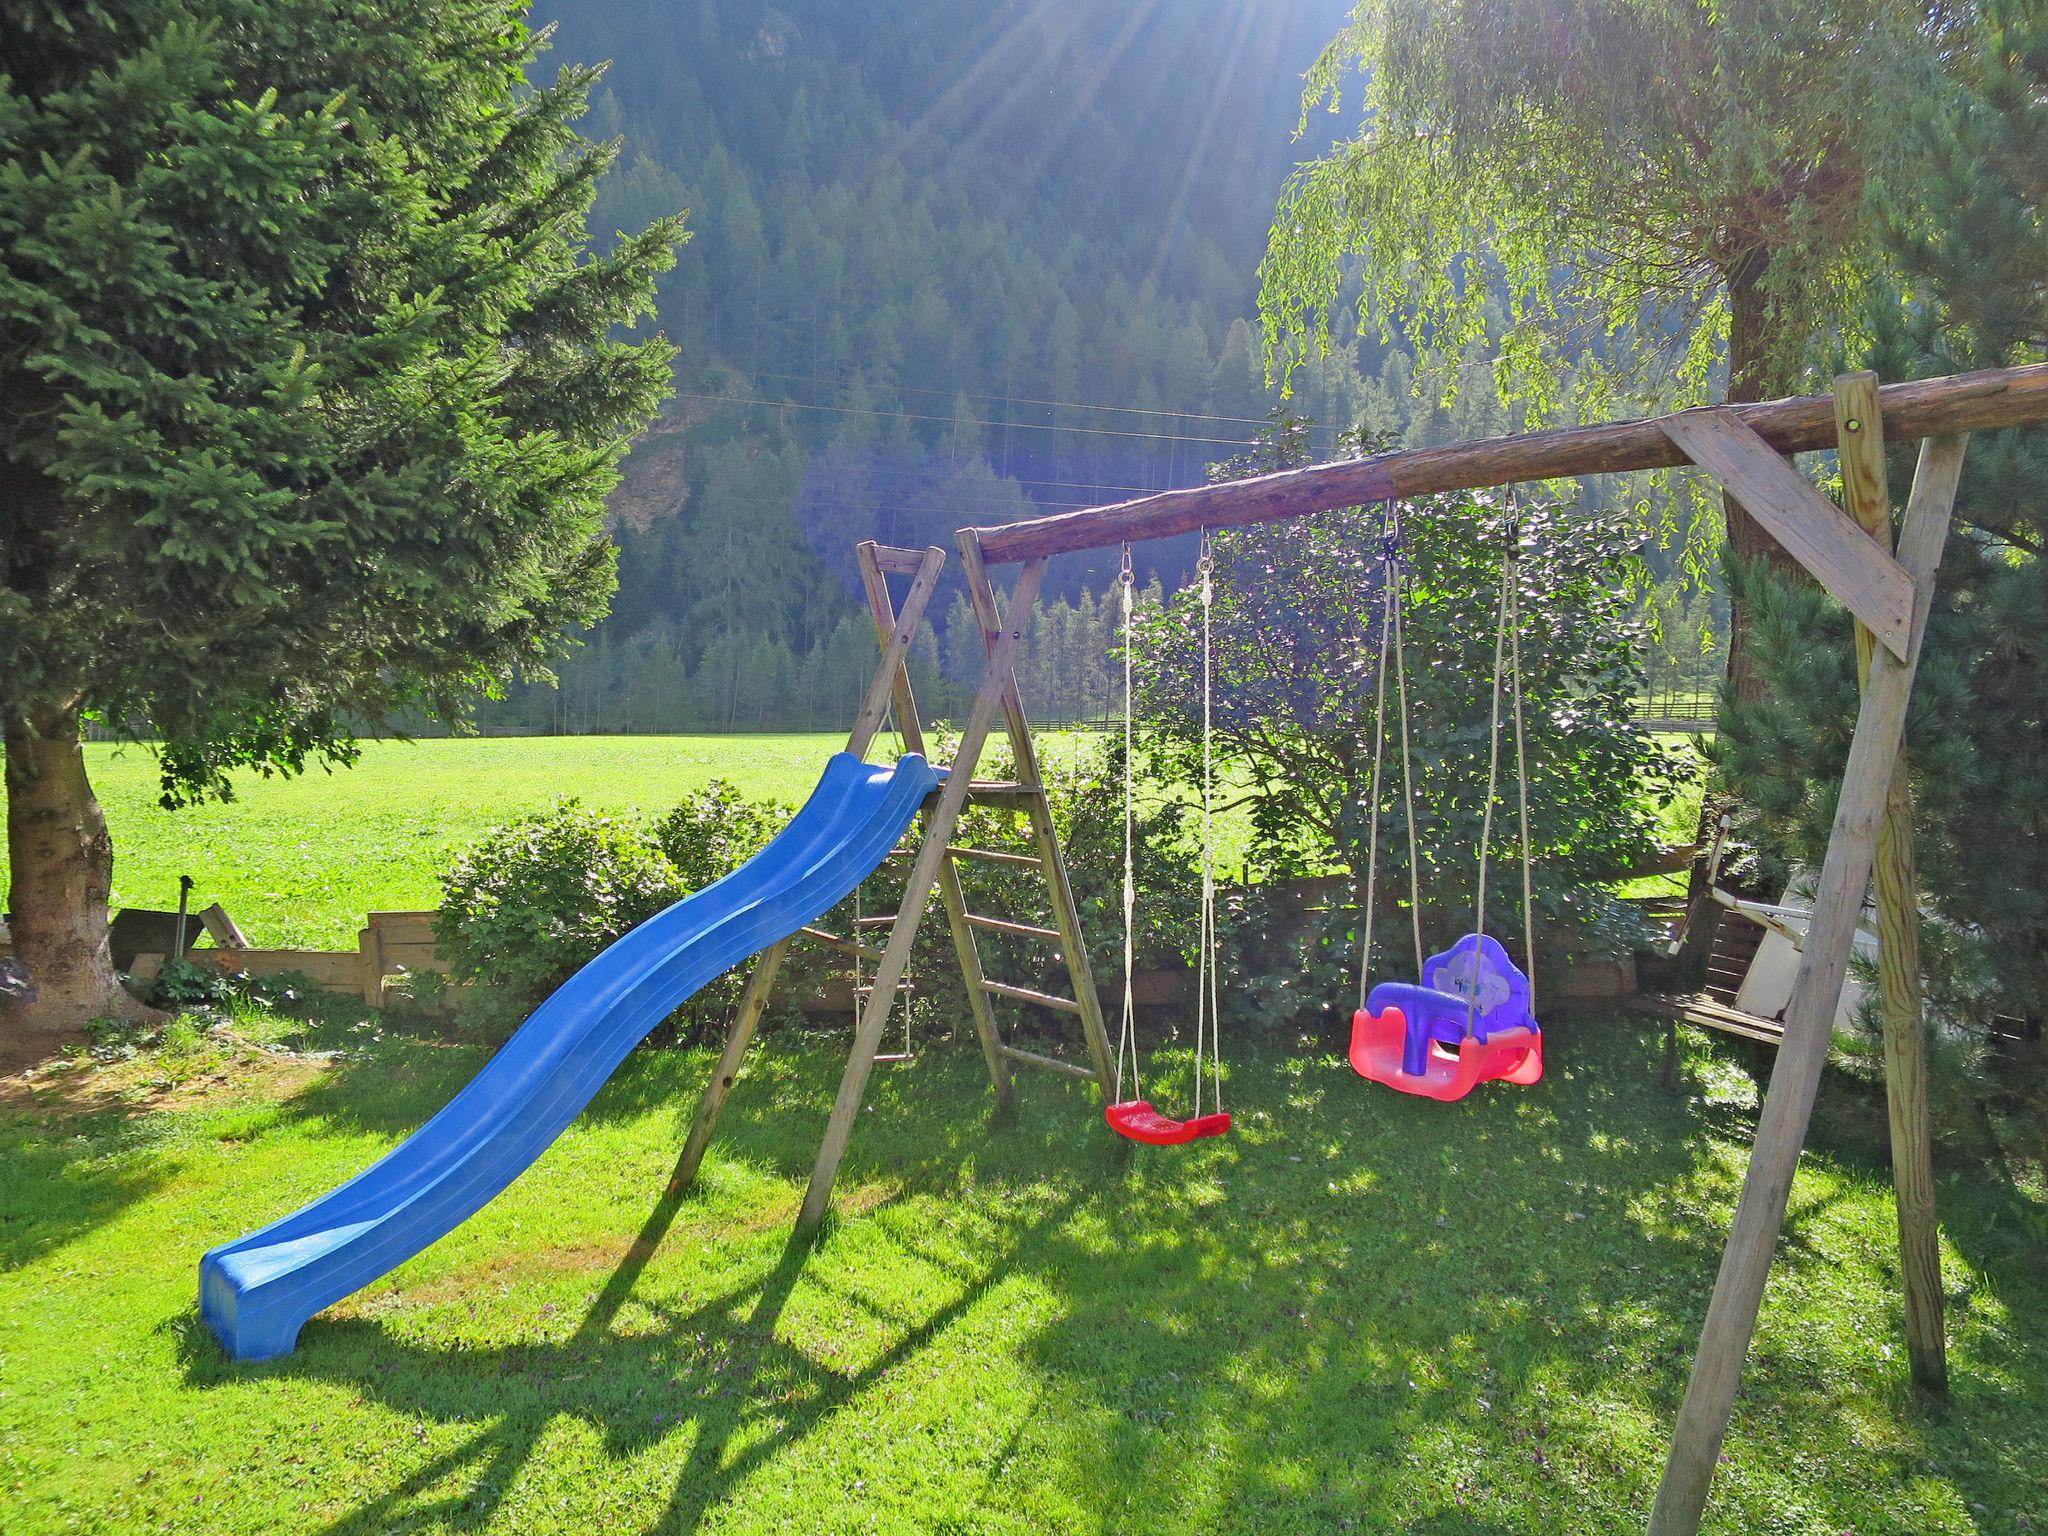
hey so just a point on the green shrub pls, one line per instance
(716, 830)
(534, 901)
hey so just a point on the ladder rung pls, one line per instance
(1016, 930)
(844, 946)
(1015, 797)
(992, 856)
(1050, 1063)
(901, 986)
(876, 920)
(1026, 995)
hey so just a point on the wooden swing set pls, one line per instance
(1888, 588)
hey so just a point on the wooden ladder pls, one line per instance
(935, 864)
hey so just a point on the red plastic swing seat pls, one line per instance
(1139, 1121)
(1377, 1040)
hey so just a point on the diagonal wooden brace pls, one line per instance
(1814, 531)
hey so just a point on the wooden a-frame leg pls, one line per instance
(1052, 862)
(924, 873)
(965, 950)
(753, 1003)
(1859, 431)
(874, 705)
(1809, 1019)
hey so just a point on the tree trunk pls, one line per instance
(61, 868)
(1751, 377)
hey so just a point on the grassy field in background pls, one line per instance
(1359, 1312)
(297, 862)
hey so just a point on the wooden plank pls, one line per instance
(1809, 1021)
(225, 932)
(1014, 930)
(404, 927)
(994, 856)
(370, 965)
(1709, 1014)
(1968, 402)
(1005, 797)
(924, 872)
(1859, 429)
(1031, 995)
(336, 970)
(896, 561)
(1814, 531)
(966, 954)
(1066, 914)
(1049, 1063)
(844, 946)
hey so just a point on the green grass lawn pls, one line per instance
(1360, 1312)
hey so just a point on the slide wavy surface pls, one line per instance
(257, 1291)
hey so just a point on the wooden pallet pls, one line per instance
(1707, 1013)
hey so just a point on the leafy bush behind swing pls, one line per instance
(532, 901)
(1295, 623)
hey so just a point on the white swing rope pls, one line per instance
(1206, 984)
(1507, 656)
(1126, 1039)
(1390, 624)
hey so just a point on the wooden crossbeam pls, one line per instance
(893, 561)
(1965, 402)
(1013, 929)
(1864, 578)
(993, 856)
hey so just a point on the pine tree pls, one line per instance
(310, 399)
(1974, 253)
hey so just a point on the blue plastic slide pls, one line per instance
(257, 1291)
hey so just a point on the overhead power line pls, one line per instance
(1005, 426)
(1064, 405)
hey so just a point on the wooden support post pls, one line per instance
(965, 950)
(1809, 1019)
(1066, 915)
(753, 1003)
(924, 873)
(1859, 426)
(874, 707)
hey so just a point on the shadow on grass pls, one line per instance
(604, 1376)
(1268, 1332)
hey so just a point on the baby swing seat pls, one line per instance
(1431, 1040)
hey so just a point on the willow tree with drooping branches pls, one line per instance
(1685, 189)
